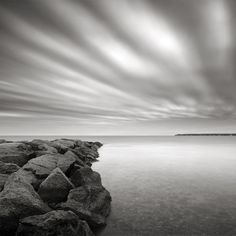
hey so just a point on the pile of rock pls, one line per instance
(48, 188)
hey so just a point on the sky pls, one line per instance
(109, 67)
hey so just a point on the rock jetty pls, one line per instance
(49, 188)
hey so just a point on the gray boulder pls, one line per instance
(58, 223)
(55, 187)
(64, 143)
(86, 153)
(43, 165)
(90, 203)
(3, 179)
(17, 153)
(17, 200)
(70, 154)
(42, 147)
(8, 168)
(5, 170)
(2, 141)
(86, 176)
(29, 177)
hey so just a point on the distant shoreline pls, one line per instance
(207, 134)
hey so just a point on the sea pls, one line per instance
(166, 185)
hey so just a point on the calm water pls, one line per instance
(168, 185)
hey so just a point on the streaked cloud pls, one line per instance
(85, 66)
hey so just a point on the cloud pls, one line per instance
(114, 63)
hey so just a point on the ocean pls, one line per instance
(167, 185)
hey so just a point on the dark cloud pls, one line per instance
(101, 66)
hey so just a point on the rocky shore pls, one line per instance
(48, 188)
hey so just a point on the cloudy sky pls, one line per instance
(117, 66)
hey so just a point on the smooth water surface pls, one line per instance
(170, 185)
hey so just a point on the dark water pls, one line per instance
(168, 185)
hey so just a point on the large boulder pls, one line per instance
(2, 141)
(29, 177)
(8, 168)
(5, 170)
(90, 203)
(78, 161)
(42, 147)
(93, 145)
(86, 176)
(58, 223)
(18, 200)
(3, 179)
(86, 153)
(42, 166)
(55, 187)
(17, 153)
(63, 144)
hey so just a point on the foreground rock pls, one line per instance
(18, 200)
(42, 166)
(55, 187)
(8, 168)
(17, 153)
(39, 176)
(86, 176)
(90, 203)
(60, 223)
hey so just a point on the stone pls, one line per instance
(17, 153)
(29, 177)
(3, 179)
(8, 168)
(54, 223)
(5, 170)
(70, 154)
(90, 203)
(87, 155)
(86, 176)
(63, 145)
(55, 187)
(43, 165)
(17, 200)
(2, 141)
(42, 147)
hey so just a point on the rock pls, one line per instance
(42, 147)
(17, 153)
(17, 200)
(43, 165)
(87, 155)
(5, 170)
(55, 187)
(29, 177)
(45, 149)
(93, 145)
(2, 141)
(86, 176)
(79, 143)
(54, 223)
(90, 203)
(3, 179)
(67, 143)
(63, 145)
(8, 168)
(70, 154)
(98, 144)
